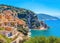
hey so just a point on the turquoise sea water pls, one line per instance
(54, 29)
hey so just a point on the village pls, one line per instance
(9, 23)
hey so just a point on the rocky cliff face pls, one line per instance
(28, 16)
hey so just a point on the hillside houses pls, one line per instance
(9, 23)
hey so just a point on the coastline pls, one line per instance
(29, 33)
(41, 28)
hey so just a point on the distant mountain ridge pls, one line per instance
(46, 17)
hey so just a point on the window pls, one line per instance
(10, 34)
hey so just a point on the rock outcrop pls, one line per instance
(28, 16)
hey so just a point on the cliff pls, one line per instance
(28, 16)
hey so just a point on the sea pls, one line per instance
(54, 29)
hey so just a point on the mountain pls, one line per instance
(46, 17)
(28, 16)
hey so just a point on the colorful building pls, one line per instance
(9, 22)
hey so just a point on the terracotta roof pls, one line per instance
(0, 16)
(19, 21)
(8, 28)
(9, 17)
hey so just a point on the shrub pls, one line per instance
(43, 39)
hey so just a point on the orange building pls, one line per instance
(10, 23)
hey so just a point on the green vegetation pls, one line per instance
(43, 39)
(1, 28)
(23, 30)
(4, 39)
(23, 14)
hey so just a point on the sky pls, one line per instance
(50, 7)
